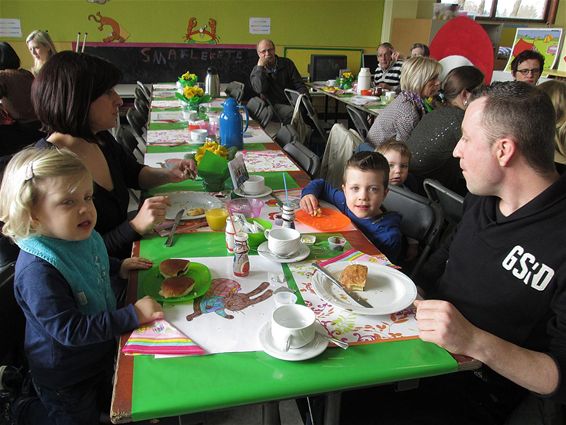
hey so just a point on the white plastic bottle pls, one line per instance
(364, 80)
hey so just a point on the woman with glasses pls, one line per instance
(527, 66)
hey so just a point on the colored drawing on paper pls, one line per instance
(118, 34)
(546, 41)
(201, 35)
(224, 295)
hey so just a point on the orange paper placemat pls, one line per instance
(330, 221)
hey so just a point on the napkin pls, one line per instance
(160, 337)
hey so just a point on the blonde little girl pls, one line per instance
(62, 283)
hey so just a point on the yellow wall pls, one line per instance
(305, 23)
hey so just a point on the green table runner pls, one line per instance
(175, 386)
(272, 179)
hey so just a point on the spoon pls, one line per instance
(339, 343)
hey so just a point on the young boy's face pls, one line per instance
(364, 192)
(398, 167)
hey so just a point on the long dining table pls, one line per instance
(149, 387)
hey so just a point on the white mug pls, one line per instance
(292, 326)
(254, 185)
(283, 241)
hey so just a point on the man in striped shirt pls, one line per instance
(388, 71)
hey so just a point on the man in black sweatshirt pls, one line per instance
(501, 298)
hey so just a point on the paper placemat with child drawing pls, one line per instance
(349, 326)
(168, 137)
(268, 160)
(164, 86)
(166, 116)
(228, 317)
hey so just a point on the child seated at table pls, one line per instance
(399, 156)
(366, 178)
(62, 283)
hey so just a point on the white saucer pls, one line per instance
(312, 349)
(267, 191)
(302, 253)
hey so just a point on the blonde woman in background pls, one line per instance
(419, 81)
(556, 90)
(41, 48)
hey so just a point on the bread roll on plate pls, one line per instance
(177, 286)
(174, 267)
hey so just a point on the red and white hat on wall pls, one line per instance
(462, 41)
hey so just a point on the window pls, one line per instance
(530, 10)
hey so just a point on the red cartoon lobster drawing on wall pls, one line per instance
(118, 34)
(202, 32)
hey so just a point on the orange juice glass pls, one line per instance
(216, 218)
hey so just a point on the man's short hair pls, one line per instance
(66, 86)
(262, 40)
(395, 146)
(369, 161)
(526, 55)
(387, 45)
(523, 113)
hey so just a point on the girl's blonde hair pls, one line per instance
(22, 185)
(43, 38)
(556, 90)
(417, 71)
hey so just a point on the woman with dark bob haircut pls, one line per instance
(18, 124)
(74, 98)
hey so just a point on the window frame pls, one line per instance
(549, 16)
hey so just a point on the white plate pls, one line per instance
(301, 254)
(387, 290)
(190, 200)
(268, 191)
(312, 349)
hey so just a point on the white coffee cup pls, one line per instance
(283, 241)
(292, 326)
(389, 96)
(199, 135)
(254, 185)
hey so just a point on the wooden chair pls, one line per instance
(422, 219)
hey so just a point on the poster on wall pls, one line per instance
(10, 28)
(546, 41)
(260, 25)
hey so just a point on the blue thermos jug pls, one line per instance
(231, 126)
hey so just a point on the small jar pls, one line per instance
(288, 216)
(241, 266)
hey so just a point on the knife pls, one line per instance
(351, 294)
(178, 217)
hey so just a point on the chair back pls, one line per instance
(235, 89)
(143, 108)
(286, 134)
(12, 320)
(136, 123)
(145, 90)
(422, 219)
(359, 119)
(260, 111)
(450, 202)
(306, 104)
(128, 140)
(307, 159)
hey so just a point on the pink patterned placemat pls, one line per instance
(349, 326)
(268, 160)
